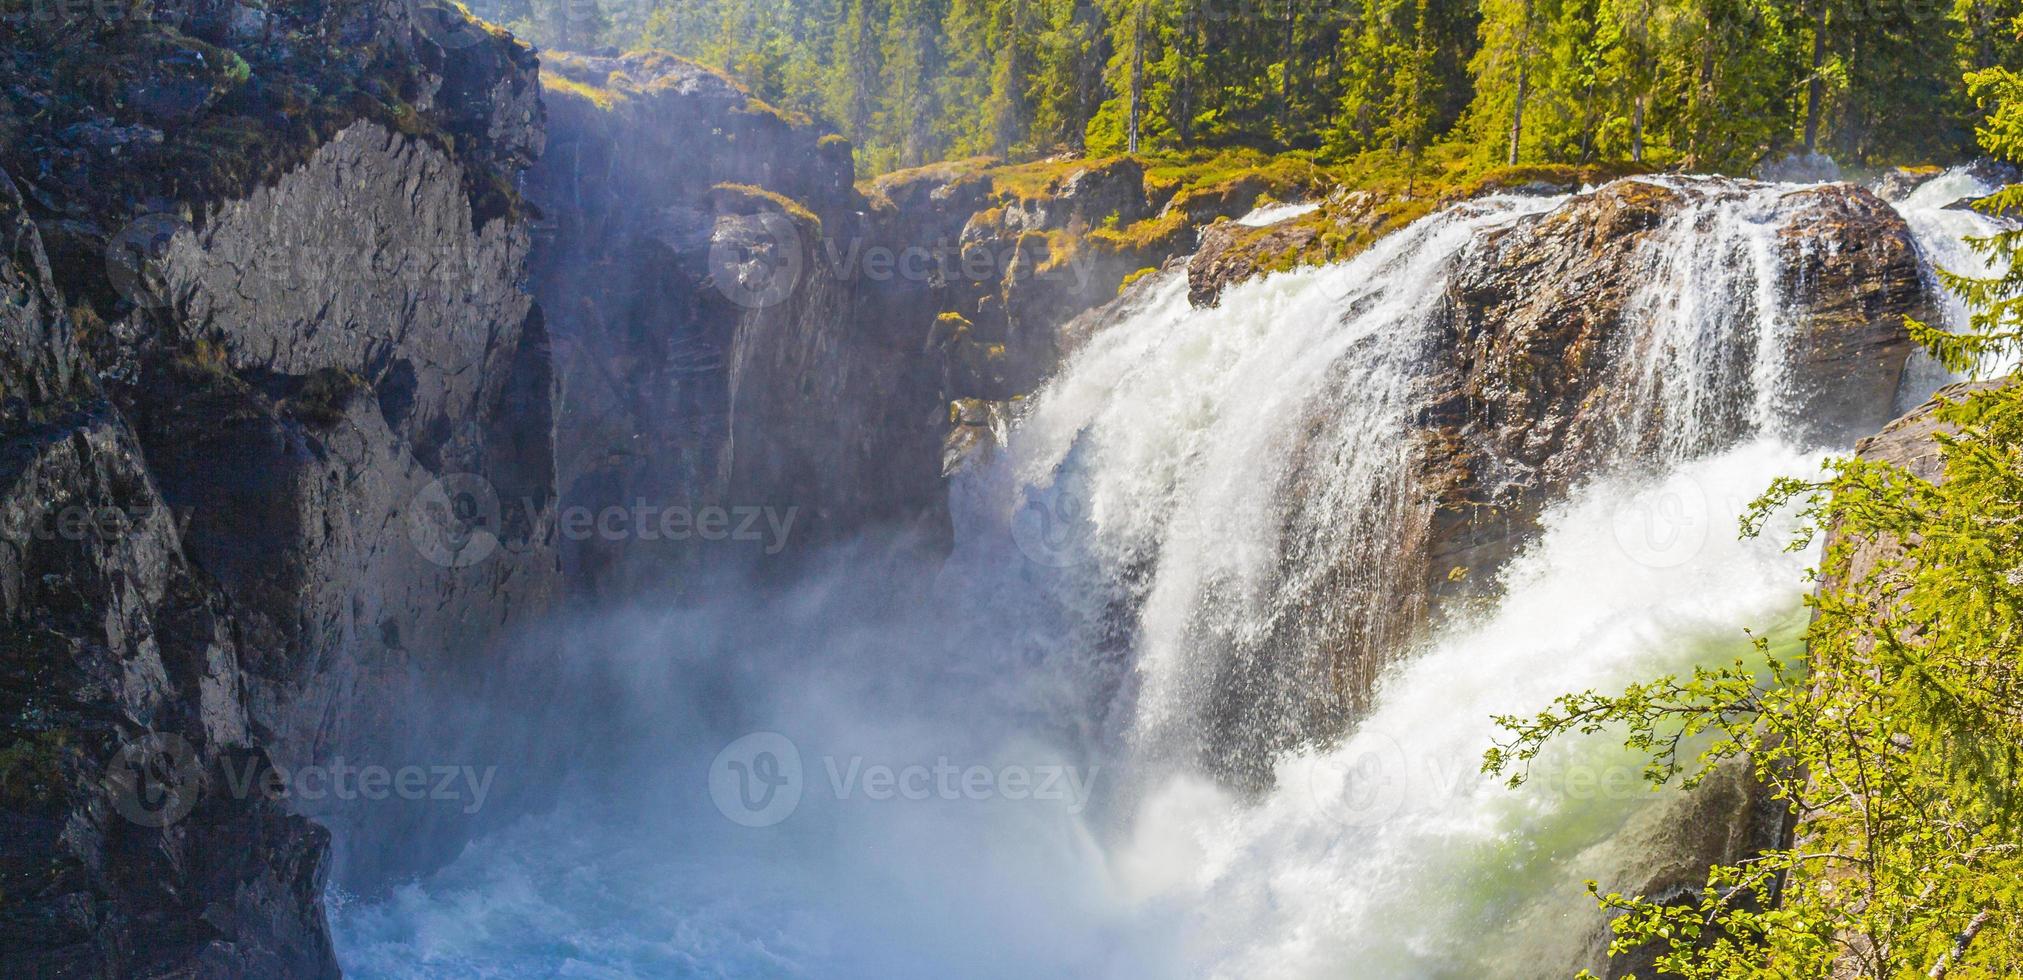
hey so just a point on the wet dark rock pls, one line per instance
(110, 635)
(239, 355)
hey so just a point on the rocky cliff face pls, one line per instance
(124, 698)
(1545, 380)
(722, 354)
(276, 342)
(740, 328)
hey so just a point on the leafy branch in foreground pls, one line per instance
(1897, 747)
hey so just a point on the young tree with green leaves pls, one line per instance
(1898, 744)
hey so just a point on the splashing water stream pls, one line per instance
(1193, 490)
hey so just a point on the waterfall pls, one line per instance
(1226, 464)
(1187, 532)
(1708, 330)
(1231, 469)
(1941, 226)
(1238, 476)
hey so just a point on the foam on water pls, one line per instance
(1941, 227)
(1389, 855)
(1272, 214)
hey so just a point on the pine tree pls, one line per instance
(909, 134)
(1895, 746)
(856, 70)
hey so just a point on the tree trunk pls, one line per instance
(1183, 82)
(1285, 76)
(1137, 72)
(1703, 101)
(1637, 128)
(1815, 89)
(1523, 83)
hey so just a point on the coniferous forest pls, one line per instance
(1706, 84)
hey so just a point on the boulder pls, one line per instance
(1546, 383)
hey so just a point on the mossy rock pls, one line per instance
(749, 199)
(324, 397)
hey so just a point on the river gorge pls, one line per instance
(595, 535)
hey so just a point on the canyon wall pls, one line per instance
(740, 327)
(268, 332)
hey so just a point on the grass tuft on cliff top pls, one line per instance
(748, 198)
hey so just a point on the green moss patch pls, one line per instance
(749, 199)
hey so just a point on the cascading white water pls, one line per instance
(1272, 214)
(1708, 326)
(1387, 856)
(1176, 439)
(1191, 473)
(1941, 226)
